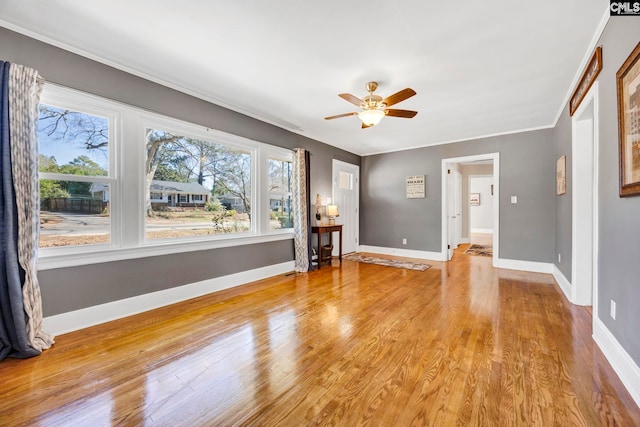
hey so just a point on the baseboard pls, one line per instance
(90, 316)
(620, 361)
(532, 266)
(409, 253)
(562, 281)
(482, 230)
(465, 240)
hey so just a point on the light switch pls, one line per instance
(514, 200)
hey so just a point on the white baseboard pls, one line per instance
(465, 240)
(90, 316)
(562, 281)
(534, 267)
(482, 230)
(409, 253)
(620, 361)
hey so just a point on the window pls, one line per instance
(346, 181)
(75, 175)
(190, 166)
(173, 187)
(280, 215)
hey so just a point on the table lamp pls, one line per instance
(332, 213)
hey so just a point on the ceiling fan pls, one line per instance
(374, 108)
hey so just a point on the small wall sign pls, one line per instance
(588, 77)
(415, 187)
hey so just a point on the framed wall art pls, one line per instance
(474, 199)
(415, 187)
(628, 86)
(561, 175)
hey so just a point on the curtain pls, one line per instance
(301, 210)
(21, 332)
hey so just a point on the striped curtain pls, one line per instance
(21, 332)
(301, 210)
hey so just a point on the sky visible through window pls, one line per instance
(67, 135)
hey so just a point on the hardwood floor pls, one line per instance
(358, 344)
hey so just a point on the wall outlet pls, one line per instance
(514, 199)
(613, 310)
(559, 257)
(404, 241)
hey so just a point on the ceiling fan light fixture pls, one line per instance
(371, 117)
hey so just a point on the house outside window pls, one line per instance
(199, 167)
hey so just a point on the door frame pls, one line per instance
(335, 164)
(454, 181)
(588, 109)
(496, 200)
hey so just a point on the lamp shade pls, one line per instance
(332, 210)
(371, 117)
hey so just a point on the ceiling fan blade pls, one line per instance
(341, 115)
(352, 99)
(399, 96)
(407, 114)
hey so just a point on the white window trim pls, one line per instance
(58, 96)
(128, 236)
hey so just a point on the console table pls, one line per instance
(320, 230)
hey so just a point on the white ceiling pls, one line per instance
(479, 67)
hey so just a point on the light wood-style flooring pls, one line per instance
(354, 344)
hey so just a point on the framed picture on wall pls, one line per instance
(561, 175)
(628, 85)
(474, 199)
(586, 80)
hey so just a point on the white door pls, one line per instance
(454, 206)
(346, 195)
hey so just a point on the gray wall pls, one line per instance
(78, 287)
(562, 136)
(619, 246)
(527, 170)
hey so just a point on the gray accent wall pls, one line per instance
(618, 243)
(563, 207)
(79, 287)
(111, 281)
(527, 170)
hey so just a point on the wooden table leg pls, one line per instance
(319, 250)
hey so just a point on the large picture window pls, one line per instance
(208, 184)
(117, 182)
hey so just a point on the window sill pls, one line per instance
(110, 254)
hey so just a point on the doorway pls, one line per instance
(448, 209)
(346, 195)
(584, 202)
(480, 212)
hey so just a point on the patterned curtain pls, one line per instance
(21, 332)
(301, 210)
